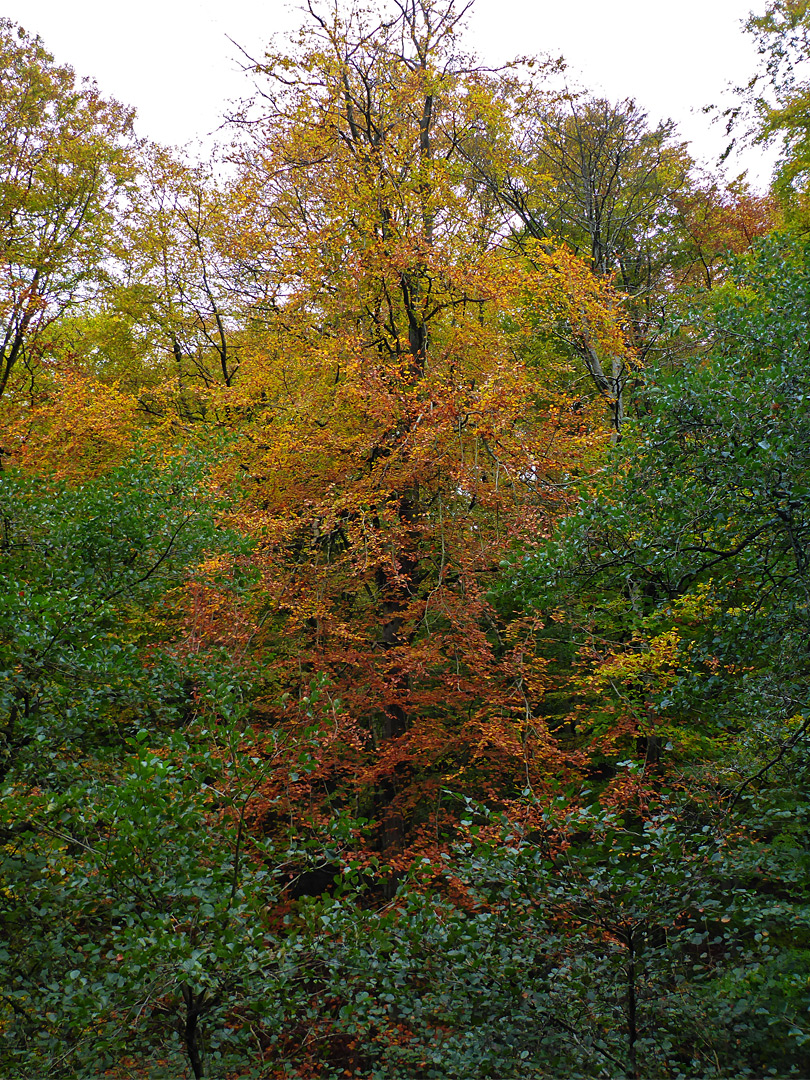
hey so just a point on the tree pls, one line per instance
(702, 529)
(717, 221)
(179, 290)
(679, 589)
(776, 101)
(397, 437)
(597, 177)
(65, 164)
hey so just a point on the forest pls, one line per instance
(405, 573)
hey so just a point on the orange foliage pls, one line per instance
(718, 222)
(79, 429)
(399, 429)
(382, 507)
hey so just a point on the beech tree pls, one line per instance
(178, 288)
(716, 222)
(403, 421)
(66, 159)
(598, 176)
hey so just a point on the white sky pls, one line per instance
(172, 60)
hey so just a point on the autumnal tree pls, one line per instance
(626, 197)
(65, 165)
(597, 177)
(179, 289)
(400, 424)
(717, 221)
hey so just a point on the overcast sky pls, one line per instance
(173, 61)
